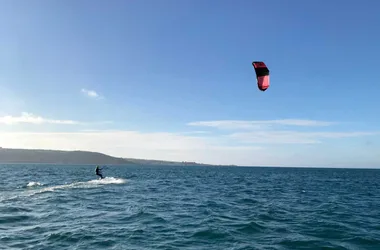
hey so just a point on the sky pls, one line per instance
(173, 80)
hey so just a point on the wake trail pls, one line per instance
(33, 188)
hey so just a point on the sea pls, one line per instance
(188, 207)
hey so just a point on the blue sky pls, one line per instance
(173, 80)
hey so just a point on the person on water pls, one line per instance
(97, 171)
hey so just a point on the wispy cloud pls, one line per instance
(29, 118)
(33, 119)
(293, 137)
(164, 146)
(91, 93)
(236, 124)
(173, 146)
(242, 146)
(196, 132)
(273, 131)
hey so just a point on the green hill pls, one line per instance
(57, 157)
(40, 156)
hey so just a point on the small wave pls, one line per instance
(34, 184)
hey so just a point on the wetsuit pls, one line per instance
(97, 171)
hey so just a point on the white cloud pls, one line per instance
(29, 118)
(236, 124)
(91, 93)
(164, 146)
(32, 119)
(241, 144)
(271, 131)
(178, 147)
(293, 137)
(196, 132)
(227, 124)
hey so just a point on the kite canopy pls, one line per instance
(262, 75)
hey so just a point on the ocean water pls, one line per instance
(192, 207)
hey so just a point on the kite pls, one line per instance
(262, 75)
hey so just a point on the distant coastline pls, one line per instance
(78, 157)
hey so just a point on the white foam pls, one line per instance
(109, 180)
(81, 184)
(34, 183)
(86, 184)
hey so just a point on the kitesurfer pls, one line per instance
(97, 171)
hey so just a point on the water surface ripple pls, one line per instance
(192, 207)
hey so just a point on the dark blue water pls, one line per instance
(65, 207)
